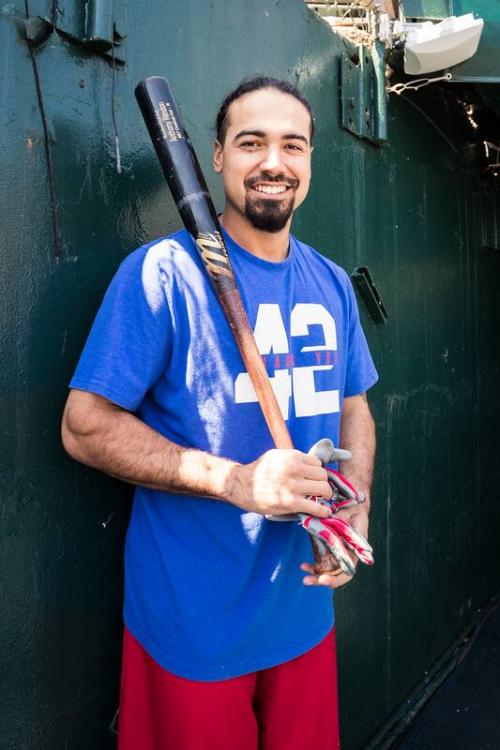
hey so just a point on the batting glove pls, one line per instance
(334, 535)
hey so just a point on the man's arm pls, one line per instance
(101, 434)
(357, 434)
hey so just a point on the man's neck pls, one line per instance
(271, 246)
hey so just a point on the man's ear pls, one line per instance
(217, 157)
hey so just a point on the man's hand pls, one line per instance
(357, 516)
(279, 482)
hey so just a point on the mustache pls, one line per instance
(288, 181)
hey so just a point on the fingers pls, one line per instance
(282, 482)
(312, 508)
(311, 460)
(307, 567)
(316, 473)
(313, 487)
(333, 582)
(330, 580)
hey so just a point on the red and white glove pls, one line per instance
(335, 535)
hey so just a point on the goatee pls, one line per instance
(269, 214)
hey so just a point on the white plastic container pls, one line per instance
(436, 46)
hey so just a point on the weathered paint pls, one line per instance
(410, 211)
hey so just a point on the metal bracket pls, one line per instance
(34, 30)
(95, 25)
(100, 30)
(364, 284)
(364, 102)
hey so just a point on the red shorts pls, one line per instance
(292, 706)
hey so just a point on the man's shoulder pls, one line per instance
(321, 262)
(160, 249)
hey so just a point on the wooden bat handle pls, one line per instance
(243, 335)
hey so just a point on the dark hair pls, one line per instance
(255, 84)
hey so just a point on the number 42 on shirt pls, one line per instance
(297, 381)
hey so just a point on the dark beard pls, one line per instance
(267, 214)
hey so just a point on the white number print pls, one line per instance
(290, 381)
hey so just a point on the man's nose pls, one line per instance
(271, 161)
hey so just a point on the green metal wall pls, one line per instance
(408, 210)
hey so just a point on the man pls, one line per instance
(226, 645)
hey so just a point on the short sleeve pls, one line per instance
(361, 373)
(130, 341)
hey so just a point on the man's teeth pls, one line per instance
(271, 189)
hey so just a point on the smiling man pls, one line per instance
(266, 171)
(227, 644)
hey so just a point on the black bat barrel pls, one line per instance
(184, 176)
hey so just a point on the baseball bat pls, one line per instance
(189, 190)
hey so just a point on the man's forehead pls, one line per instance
(268, 110)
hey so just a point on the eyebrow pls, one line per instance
(295, 137)
(262, 134)
(258, 133)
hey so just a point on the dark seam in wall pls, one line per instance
(48, 155)
(113, 106)
(55, 11)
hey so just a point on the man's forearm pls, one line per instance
(357, 434)
(118, 443)
(100, 434)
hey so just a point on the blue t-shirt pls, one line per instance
(212, 591)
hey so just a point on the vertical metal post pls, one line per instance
(378, 57)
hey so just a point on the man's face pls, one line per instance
(266, 157)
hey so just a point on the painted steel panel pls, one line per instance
(410, 211)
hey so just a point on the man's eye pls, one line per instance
(250, 144)
(293, 147)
